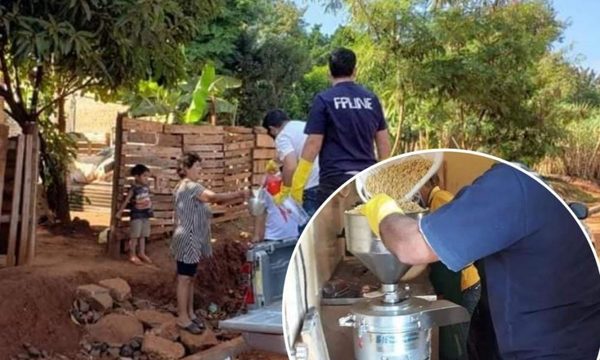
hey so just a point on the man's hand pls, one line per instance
(300, 179)
(376, 209)
(284, 193)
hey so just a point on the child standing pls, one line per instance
(140, 205)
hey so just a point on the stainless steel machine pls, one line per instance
(395, 325)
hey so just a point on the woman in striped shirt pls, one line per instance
(191, 236)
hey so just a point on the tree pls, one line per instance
(475, 76)
(53, 48)
(206, 98)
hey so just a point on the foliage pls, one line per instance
(206, 95)
(53, 48)
(466, 74)
(151, 99)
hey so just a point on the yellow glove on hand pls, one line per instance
(300, 178)
(272, 166)
(283, 193)
(376, 209)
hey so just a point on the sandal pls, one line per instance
(136, 260)
(198, 322)
(192, 327)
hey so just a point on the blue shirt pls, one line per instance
(348, 116)
(140, 205)
(542, 278)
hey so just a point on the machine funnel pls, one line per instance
(363, 244)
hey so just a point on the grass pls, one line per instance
(571, 192)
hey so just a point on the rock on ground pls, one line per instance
(116, 329)
(98, 297)
(162, 349)
(195, 343)
(168, 330)
(154, 318)
(119, 289)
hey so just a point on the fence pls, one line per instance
(232, 159)
(19, 173)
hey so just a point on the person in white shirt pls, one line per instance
(289, 140)
(275, 223)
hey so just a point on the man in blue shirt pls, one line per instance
(344, 125)
(542, 280)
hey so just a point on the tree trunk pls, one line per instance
(61, 116)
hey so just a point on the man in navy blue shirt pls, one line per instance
(344, 125)
(542, 279)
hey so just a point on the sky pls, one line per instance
(582, 35)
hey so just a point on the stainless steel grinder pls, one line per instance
(394, 326)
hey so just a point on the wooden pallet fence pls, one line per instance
(264, 150)
(19, 172)
(227, 165)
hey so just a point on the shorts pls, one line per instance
(139, 228)
(186, 269)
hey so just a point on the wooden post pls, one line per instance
(114, 244)
(26, 191)
(33, 207)
(3, 153)
(16, 202)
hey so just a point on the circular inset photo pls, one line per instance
(444, 254)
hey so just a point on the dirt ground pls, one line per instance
(35, 299)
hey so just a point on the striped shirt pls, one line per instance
(191, 237)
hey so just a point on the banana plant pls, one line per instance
(206, 97)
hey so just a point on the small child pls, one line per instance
(140, 205)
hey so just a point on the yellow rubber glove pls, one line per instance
(376, 209)
(283, 193)
(272, 166)
(300, 178)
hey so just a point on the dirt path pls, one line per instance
(35, 299)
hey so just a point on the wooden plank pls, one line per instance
(163, 214)
(170, 140)
(203, 148)
(112, 246)
(203, 139)
(193, 129)
(150, 161)
(141, 150)
(162, 206)
(264, 154)
(205, 177)
(259, 130)
(238, 176)
(140, 137)
(25, 214)
(16, 202)
(140, 125)
(236, 153)
(237, 129)
(204, 154)
(259, 166)
(264, 141)
(239, 161)
(239, 145)
(239, 137)
(208, 164)
(3, 154)
(33, 208)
